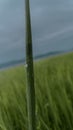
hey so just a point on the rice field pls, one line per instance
(54, 95)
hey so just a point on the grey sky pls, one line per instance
(48, 17)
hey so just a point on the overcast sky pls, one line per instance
(50, 19)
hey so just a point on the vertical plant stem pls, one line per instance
(30, 72)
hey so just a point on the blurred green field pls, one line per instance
(54, 95)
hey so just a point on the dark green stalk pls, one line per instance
(30, 72)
